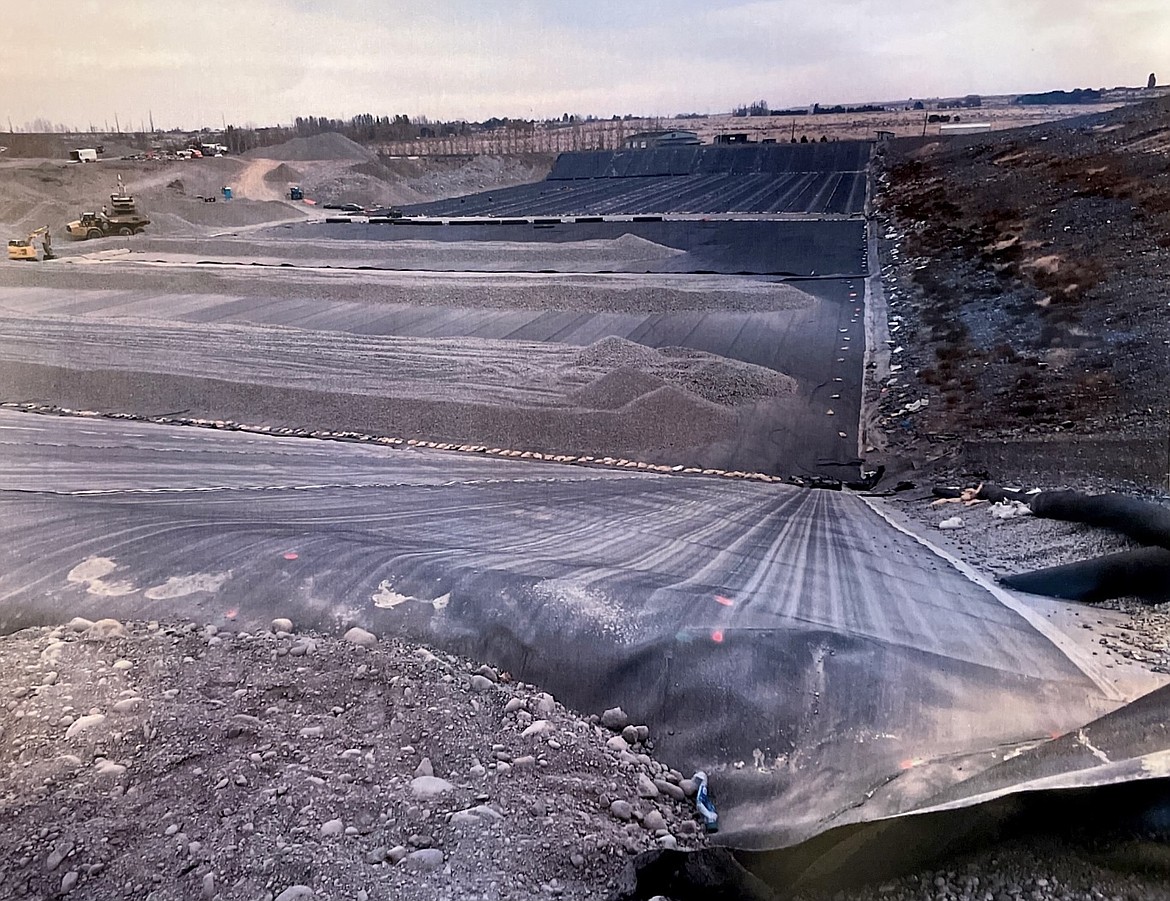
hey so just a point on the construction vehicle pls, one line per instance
(26, 248)
(122, 218)
(295, 193)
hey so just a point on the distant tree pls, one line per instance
(239, 140)
(1152, 82)
(755, 108)
(804, 139)
(919, 105)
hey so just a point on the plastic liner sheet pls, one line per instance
(1111, 774)
(824, 668)
(823, 179)
(772, 159)
(775, 247)
(823, 193)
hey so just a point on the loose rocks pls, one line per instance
(361, 637)
(311, 775)
(622, 810)
(429, 787)
(615, 719)
(424, 859)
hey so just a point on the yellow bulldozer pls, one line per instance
(26, 248)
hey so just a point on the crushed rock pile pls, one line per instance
(616, 388)
(282, 174)
(328, 146)
(632, 369)
(177, 761)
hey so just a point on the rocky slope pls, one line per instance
(184, 761)
(1026, 274)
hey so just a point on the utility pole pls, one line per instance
(151, 114)
(925, 119)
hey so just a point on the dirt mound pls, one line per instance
(282, 174)
(273, 758)
(614, 351)
(674, 404)
(714, 379)
(724, 381)
(192, 216)
(616, 389)
(328, 146)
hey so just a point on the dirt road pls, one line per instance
(250, 183)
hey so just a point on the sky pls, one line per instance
(263, 62)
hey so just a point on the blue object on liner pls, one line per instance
(704, 804)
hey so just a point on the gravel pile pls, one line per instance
(328, 146)
(616, 388)
(719, 380)
(283, 174)
(175, 761)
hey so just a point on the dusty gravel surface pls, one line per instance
(171, 192)
(161, 761)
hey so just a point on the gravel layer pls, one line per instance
(162, 761)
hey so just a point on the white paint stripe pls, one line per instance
(1072, 651)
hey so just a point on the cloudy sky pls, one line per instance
(201, 62)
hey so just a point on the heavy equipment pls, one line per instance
(26, 248)
(122, 218)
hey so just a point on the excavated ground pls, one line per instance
(1025, 274)
(1027, 283)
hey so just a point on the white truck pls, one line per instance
(87, 155)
